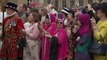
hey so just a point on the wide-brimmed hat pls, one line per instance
(65, 10)
(11, 6)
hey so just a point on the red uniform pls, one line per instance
(12, 31)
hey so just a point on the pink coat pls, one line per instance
(52, 29)
(62, 44)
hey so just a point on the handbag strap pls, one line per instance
(101, 39)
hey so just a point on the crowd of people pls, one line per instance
(50, 34)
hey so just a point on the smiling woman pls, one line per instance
(32, 50)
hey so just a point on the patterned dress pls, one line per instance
(70, 43)
(12, 31)
(32, 49)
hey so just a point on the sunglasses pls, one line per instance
(59, 22)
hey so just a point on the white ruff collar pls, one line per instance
(11, 14)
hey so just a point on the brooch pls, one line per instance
(12, 24)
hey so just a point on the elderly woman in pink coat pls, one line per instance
(61, 35)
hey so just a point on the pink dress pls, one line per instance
(45, 45)
(32, 50)
(51, 28)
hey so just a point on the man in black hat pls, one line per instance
(11, 9)
(12, 28)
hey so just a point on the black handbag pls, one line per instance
(99, 47)
(22, 42)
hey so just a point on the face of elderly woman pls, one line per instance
(59, 24)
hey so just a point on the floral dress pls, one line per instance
(32, 50)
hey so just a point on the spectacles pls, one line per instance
(59, 22)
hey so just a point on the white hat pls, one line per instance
(65, 10)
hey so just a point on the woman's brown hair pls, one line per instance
(37, 17)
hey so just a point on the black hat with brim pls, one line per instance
(11, 6)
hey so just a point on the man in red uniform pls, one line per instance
(12, 31)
